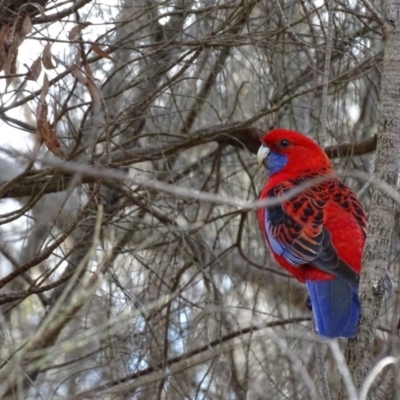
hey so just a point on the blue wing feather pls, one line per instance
(279, 248)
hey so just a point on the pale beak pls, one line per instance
(262, 154)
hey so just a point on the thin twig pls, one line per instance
(378, 368)
(374, 12)
(343, 369)
(322, 370)
(328, 52)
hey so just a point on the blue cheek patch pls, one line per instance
(275, 162)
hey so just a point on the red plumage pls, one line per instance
(326, 205)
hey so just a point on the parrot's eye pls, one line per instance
(284, 143)
(264, 144)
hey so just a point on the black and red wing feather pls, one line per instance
(296, 231)
(347, 199)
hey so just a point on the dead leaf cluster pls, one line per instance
(11, 37)
(46, 131)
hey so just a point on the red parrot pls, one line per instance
(318, 232)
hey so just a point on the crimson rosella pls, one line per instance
(317, 231)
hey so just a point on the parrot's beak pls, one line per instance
(262, 154)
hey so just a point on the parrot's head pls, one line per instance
(285, 150)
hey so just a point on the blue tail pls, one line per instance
(335, 306)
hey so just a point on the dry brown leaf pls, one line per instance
(76, 30)
(51, 140)
(13, 66)
(41, 110)
(79, 74)
(41, 115)
(84, 75)
(77, 70)
(45, 89)
(93, 89)
(45, 131)
(4, 33)
(10, 65)
(78, 60)
(99, 51)
(46, 57)
(26, 27)
(3, 57)
(34, 70)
